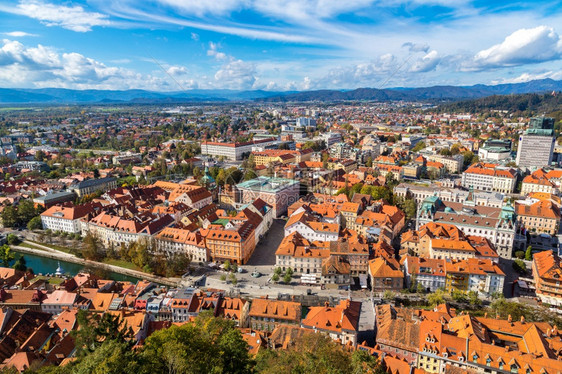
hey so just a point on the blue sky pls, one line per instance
(174, 45)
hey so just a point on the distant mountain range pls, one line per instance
(67, 96)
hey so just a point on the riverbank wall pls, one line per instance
(57, 255)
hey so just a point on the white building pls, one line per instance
(536, 145)
(430, 273)
(456, 195)
(59, 300)
(64, 219)
(495, 150)
(453, 164)
(174, 241)
(535, 151)
(498, 225)
(486, 177)
(311, 230)
(233, 151)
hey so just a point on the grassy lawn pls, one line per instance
(122, 263)
(54, 280)
(53, 246)
(27, 245)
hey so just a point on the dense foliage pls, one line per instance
(528, 104)
(209, 345)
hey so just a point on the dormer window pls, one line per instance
(475, 358)
(514, 368)
(488, 361)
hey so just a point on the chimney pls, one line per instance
(486, 315)
(522, 319)
(555, 330)
(509, 318)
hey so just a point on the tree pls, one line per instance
(529, 254)
(356, 188)
(287, 278)
(519, 266)
(520, 254)
(13, 239)
(312, 353)
(9, 216)
(35, 224)
(388, 295)
(40, 155)
(26, 211)
(418, 147)
(233, 279)
(221, 177)
(469, 158)
(436, 298)
(6, 255)
(227, 265)
(111, 357)
(459, 296)
(275, 277)
(20, 264)
(92, 250)
(210, 345)
(390, 180)
(473, 298)
(95, 329)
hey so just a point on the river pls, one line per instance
(44, 265)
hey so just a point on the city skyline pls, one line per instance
(174, 45)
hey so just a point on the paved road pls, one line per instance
(366, 322)
(264, 254)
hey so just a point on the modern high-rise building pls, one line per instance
(536, 145)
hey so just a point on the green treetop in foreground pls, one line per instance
(208, 345)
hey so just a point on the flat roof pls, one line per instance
(267, 184)
(56, 195)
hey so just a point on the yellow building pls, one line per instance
(540, 217)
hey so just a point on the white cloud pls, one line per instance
(236, 74)
(195, 36)
(524, 46)
(416, 47)
(204, 7)
(307, 10)
(43, 66)
(427, 63)
(18, 34)
(176, 71)
(213, 51)
(527, 77)
(73, 18)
